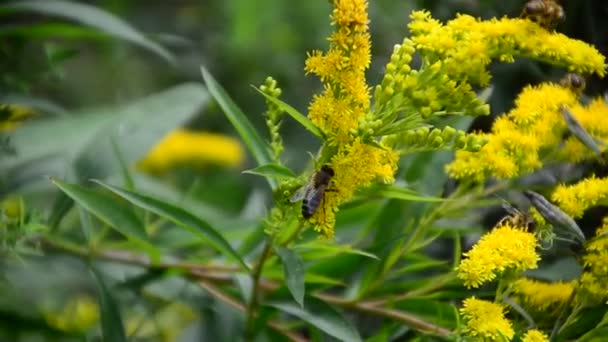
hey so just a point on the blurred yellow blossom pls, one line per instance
(78, 314)
(11, 116)
(505, 248)
(182, 147)
(595, 261)
(485, 320)
(534, 335)
(543, 296)
(576, 198)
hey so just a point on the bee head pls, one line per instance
(328, 170)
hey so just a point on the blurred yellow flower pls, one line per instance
(576, 198)
(543, 296)
(182, 147)
(485, 320)
(595, 261)
(504, 248)
(11, 116)
(78, 314)
(534, 335)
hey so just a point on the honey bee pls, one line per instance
(547, 13)
(312, 193)
(517, 218)
(574, 82)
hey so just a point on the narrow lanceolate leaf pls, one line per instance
(256, 145)
(180, 217)
(112, 329)
(322, 316)
(299, 117)
(91, 16)
(271, 171)
(395, 192)
(293, 268)
(555, 216)
(106, 208)
(579, 132)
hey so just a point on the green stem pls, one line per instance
(253, 301)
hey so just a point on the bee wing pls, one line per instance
(300, 194)
(510, 208)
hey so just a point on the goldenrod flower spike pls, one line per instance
(345, 98)
(485, 320)
(505, 248)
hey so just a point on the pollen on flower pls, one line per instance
(504, 248)
(534, 335)
(575, 199)
(485, 320)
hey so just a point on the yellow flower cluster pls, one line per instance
(505, 248)
(182, 147)
(345, 98)
(455, 42)
(485, 320)
(519, 138)
(543, 296)
(575, 199)
(534, 335)
(595, 261)
(340, 108)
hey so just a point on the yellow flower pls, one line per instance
(534, 335)
(345, 98)
(485, 320)
(11, 116)
(543, 296)
(505, 248)
(355, 165)
(595, 261)
(519, 138)
(78, 314)
(575, 199)
(455, 42)
(187, 147)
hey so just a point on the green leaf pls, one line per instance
(256, 145)
(112, 329)
(271, 171)
(332, 249)
(322, 316)
(395, 192)
(90, 16)
(293, 267)
(299, 117)
(181, 218)
(86, 137)
(106, 208)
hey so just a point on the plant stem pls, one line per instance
(253, 301)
